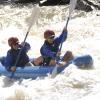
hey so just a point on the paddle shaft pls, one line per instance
(33, 20)
(71, 8)
(21, 48)
(63, 37)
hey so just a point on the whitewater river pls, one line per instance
(83, 38)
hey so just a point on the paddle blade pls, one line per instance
(54, 72)
(34, 16)
(72, 6)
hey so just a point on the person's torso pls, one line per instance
(54, 47)
(18, 60)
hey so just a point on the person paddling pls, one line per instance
(10, 59)
(50, 49)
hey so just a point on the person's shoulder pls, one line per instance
(56, 39)
(9, 51)
(44, 44)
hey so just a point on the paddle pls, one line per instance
(33, 19)
(71, 8)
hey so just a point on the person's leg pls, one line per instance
(52, 63)
(68, 56)
(37, 61)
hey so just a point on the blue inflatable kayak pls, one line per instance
(33, 72)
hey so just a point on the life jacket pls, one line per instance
(54, 47)
(11, 58)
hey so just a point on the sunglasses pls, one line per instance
(52, 37)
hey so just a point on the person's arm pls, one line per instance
(63, 36)
(8, 60)
(25, 58)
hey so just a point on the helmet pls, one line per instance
(13, 41)
(26, 46)
(49, 33)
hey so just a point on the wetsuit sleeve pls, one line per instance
(63, 36)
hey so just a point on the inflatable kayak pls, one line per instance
(33, 72)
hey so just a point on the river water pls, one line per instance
(83, 38)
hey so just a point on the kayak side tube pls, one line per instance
(33, 72)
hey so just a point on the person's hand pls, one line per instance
(52, 62)
(65, 29)
(58, 54)
(61, 63)
(13, 68)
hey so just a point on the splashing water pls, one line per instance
(83, 38)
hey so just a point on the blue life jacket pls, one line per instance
(11, 57)
(49, 51)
